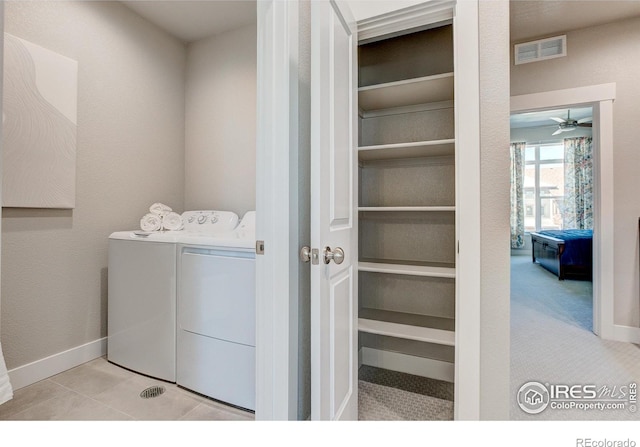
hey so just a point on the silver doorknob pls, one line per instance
(337, 255)
(305, 254)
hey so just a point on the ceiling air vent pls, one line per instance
(539, 50)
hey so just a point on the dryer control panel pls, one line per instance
(209, 221)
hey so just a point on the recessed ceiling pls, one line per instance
(193, 20)
(541, 18)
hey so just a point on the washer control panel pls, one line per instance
(209, 221)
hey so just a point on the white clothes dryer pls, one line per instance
(216, 314)
(142, 282)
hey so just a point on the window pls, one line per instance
(544, 187)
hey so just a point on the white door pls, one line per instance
(334, 331)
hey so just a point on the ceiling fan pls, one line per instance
(566, 125)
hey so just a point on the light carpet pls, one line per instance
(552, 343)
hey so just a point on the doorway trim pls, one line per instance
(601, 98)
(276, 210)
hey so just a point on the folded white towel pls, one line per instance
(172, 221)
(159, 209)
(151, 222)
(6, 391)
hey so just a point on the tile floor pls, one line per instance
(101, 391)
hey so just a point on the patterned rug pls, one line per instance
(385, 395)
(384, 403)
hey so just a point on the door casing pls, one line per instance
(601, 98)
(276, 310)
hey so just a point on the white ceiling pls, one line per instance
(193, 20)
(543, 118)
(542, 18)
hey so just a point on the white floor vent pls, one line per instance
(539, 50)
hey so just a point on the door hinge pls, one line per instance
(259, 247)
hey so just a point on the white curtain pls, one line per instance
(6, 392)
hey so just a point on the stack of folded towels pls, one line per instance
(159, 218)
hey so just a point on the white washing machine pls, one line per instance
(142, 282)
(216, 314)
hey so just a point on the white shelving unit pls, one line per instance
(405, 269)
(419, 149)
(407, 208)
(407, 331)
(407, 195)
(424, 90)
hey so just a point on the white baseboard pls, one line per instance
(49, 366)
(419, 366)
(626, 334)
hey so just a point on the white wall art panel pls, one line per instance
(40, 122)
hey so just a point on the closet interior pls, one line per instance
(407, 225)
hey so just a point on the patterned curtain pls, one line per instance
(578, 183)
(517, 194)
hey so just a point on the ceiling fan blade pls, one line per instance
(585, 124)
(558, 120)
(585, 120)
(563, 129)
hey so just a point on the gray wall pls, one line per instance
(598, 55)
(130, 154)
(494, 197)
(220, 149)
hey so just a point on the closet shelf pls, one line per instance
(422, 328)
(407, 208)
(419, 149)
(408, 92)
(405, 269)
